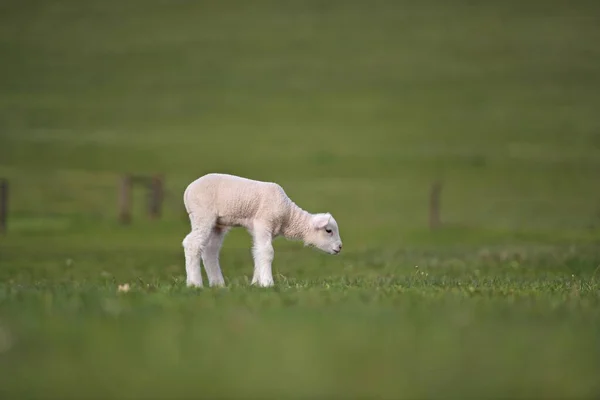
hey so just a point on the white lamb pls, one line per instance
(217, 202)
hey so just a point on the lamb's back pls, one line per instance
(236, 200)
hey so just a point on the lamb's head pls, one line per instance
(324, 233)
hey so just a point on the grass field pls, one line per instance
(354, 107)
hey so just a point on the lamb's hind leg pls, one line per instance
(194, 245)
(210, 256)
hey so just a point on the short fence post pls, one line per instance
(434, 206)
(125, 200)
(3, 205)
(155, 196)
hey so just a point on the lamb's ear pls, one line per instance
(320, 220)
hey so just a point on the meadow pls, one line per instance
(355, 108)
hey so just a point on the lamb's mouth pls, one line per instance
(336, 251)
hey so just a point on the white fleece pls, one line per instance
(218, 202)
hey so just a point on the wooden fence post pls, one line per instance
(3, 205)
(125, 200)
(434, 206)
(155, 196)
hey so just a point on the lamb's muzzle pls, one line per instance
(218, 202)
(339, 249)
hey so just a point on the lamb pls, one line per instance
(217, 202)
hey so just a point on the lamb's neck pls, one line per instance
(298, 223)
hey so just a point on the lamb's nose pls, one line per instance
(340, 247)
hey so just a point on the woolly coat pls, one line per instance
(231, 201)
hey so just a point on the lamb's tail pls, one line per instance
(186, 199)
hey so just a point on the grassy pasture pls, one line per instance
(354, 107)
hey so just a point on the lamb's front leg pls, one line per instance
(263, 253)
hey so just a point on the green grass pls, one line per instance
(355, 108)
(500, 322)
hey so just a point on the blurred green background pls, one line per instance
(354, 107)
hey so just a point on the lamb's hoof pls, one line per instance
(218, 284)
(264, 284)
(193, 284)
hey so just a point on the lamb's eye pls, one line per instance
(327, 230)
